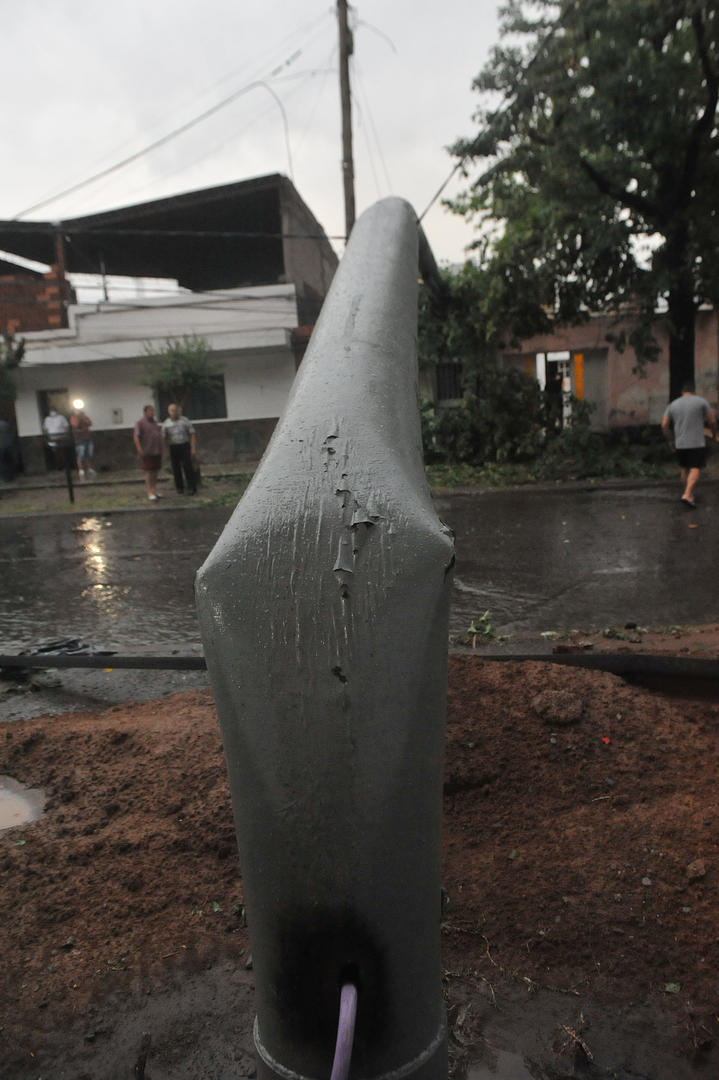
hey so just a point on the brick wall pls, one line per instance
(30, 301)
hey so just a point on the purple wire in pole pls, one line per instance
(345, 1032)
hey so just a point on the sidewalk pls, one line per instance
(122, 489)
(222, 484)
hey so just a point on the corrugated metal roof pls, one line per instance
(215, 237)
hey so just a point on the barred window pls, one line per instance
(449, 380)
(207, 404)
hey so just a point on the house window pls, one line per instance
(449, 380)
(207, 404)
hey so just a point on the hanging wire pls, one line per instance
(147, 149)
(70, 230)
(439, 191)
(370, 127)
(329, 68)
(163, 140)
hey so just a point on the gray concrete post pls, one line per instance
(324, 612)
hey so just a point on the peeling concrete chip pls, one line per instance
(558, 707)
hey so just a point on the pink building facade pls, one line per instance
(585, 361)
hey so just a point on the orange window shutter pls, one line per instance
(530, 365)
(579, 376)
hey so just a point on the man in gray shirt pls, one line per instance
(179, 435)
(687, 417)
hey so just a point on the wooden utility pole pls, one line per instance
(348, 173)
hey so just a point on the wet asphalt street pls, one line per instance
(584, 558)
(536, 559)
(122, 580)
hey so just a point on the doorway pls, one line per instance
(58, 399)
(557, 377)
(47, 399)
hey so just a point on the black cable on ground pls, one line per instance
(623, 664)
(107, 661)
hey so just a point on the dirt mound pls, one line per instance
(581, 819)
(581, 839)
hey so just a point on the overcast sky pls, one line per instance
(89, 83)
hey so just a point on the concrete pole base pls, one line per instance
(428, 1065)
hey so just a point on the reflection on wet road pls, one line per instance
(537, 560)
(121, 581)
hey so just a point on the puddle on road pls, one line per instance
(18, 804)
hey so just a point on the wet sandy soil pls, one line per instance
(580, 863)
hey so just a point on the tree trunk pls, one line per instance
(682, 316)
(682, 306)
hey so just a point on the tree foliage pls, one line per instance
(181, 367)
(599, 153)
(505, 425)
(503, 414)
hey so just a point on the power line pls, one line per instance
(324, 72)
(203, 233)
(230, 295)
(439, 191)
(456, 168)
(359, 23)
(208, 294)
(308, 30)
(185, 166)
(212, 299)
(204, 115)
(146, 150)
(254, 305)
(306, 33)
(68, 231)
(370, 126)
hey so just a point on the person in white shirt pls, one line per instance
(56, 429)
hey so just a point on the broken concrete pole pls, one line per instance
(324, 609)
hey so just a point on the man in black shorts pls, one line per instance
(686, 417)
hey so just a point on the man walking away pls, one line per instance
(180, 437)
(686, 418)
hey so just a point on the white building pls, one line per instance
(102, 359)
(247, 267)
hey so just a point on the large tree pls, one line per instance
(599, 157)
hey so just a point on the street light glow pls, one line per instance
(78, 403)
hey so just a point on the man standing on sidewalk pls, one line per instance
(687, 416)
(147, 437)
(81, 425)
(180, 437)
(56, 430)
